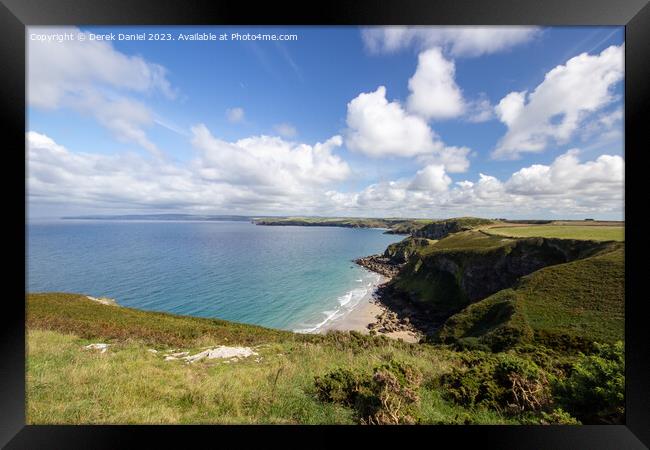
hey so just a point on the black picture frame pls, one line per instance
(15, 15)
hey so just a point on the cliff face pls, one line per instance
(450, 279)
(401, 252)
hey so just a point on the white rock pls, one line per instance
(103, 300)
(101, 347)
(224, 352)
(152, 350)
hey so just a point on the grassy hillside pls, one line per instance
(73, 313)
(470, 265)
(566, 305)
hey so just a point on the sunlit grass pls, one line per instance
(594, 232)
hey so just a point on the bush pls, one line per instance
(505, 382)
(340, 386)
(393, 392)
(594, 391)
(388, 396)
(558, 417)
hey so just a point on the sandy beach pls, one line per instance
(364, 314)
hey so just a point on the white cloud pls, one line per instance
(434, 92)
(431, 179)
(259, 173)
(567, 174)
(94, 78)
(459, 41)
(510, 107)
(265, 174)
(379, 128)
(268, 162)
(235, 115)
(58, 69)
(565, 188)
(557, 107)
(286, 130)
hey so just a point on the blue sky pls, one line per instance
(500, 122)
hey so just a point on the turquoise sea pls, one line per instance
(296, 278)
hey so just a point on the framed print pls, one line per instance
(417, 214)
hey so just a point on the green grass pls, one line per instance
(467, 241)
(73, 313)
(565, 305)
(582, 299)
(67, 384)
(595, 232)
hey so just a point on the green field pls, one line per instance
(590, 232)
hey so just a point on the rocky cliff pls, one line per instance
(449, 277)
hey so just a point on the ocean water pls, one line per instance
(295, 278)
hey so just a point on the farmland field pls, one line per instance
(591, 232)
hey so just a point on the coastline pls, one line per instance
(359, 317)
(367, 315)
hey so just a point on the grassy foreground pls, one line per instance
(129, 384)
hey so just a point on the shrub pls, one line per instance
(505, 381)
(388, 396)
(393, 392)
(594, 391)
(558, 417)
(340, 386)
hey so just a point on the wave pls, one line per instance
(347, 302)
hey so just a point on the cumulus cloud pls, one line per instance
(379, 128)
(235, 115)
(510, 107)
(434, 92)
(259, 173)
(567, 174)
(96, 79)
(268, 162)
(286, 130)
(565, 188)
(264, 174)
(458, 41)
(430, 179)
(557, 107)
